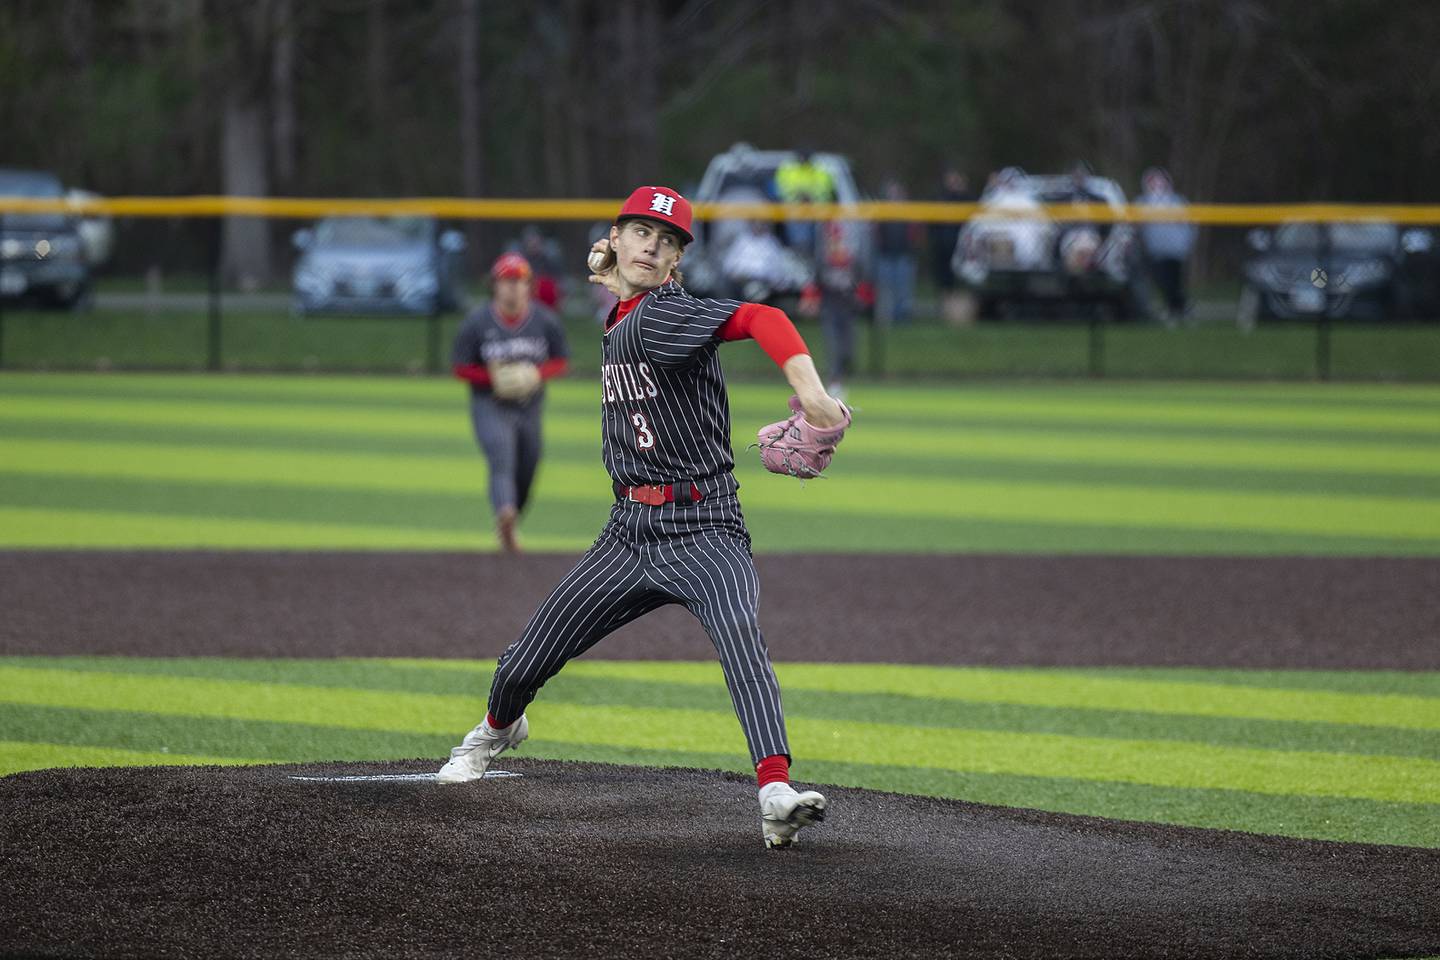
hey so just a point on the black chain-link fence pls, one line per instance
(1015, 298)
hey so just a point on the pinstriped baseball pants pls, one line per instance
(646, 557)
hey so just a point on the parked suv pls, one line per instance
(762, 260)
(42, 255)
(1013, 257)
(1369, 270)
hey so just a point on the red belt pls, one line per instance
(655, 494)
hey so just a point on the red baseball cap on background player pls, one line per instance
(662, 204)
(510, 266)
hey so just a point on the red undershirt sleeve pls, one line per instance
(553, 367)
(768, 327)
(474, 372)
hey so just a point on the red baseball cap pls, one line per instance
(659, 203)
(510, 266)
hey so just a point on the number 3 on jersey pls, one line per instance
(644, 439)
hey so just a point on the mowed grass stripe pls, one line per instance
(1155, 403)
(91, 529)
(569, 526)
(440, 512)
(590, 689)
(678, 683)
(1210, 462)
(260, 420)
(560, 513)
(282, 468)
(1396, 779)
(1252, 402)
(1312, 475)
(419, 394)
(1118, 504)
(167, 735)
(1061, 688)
(960, 440)
(368, 407)
(17, 756)
(1413, 682)
(1318, 478)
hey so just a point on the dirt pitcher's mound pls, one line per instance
(585, 860)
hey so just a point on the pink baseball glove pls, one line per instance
(796, 448)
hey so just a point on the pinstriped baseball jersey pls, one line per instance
(666, 414)
(666, 420)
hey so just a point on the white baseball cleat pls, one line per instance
(472, 758)
(783, 811)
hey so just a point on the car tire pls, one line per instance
(66, 296)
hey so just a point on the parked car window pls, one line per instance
(1376, 237)
(31, 185)
(370, 232)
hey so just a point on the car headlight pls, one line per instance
(315, 281)
(417, 281)
(973, 272)
(1273, 277)
(1365, 273)
(63, 247)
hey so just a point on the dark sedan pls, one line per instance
(41, 254)
(1363, 271)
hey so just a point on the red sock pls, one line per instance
(490, 719)
(773, 769)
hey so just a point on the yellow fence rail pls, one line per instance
(1220, 214)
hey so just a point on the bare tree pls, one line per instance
(637, 27)
(381, 119)
(240, 69)
(282, 95)
(471, 118)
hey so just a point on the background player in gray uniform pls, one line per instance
(676, 533)
(507, 349)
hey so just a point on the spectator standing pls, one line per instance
(1167, 245)
(803, 181)
(895, 244)
(954, 188)
(543, 254)
(836, 285)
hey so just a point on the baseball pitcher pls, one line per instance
(676, 533)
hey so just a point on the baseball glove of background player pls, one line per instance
(797, 448)
(516, 382)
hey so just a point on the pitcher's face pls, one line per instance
(645, 252)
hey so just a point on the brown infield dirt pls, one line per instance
(589, 860)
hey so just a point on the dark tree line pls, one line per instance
(1241, 99)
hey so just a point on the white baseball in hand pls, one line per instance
(596, 260)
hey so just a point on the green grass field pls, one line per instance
(1336, 756)
(336, 462)
(157, 461)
